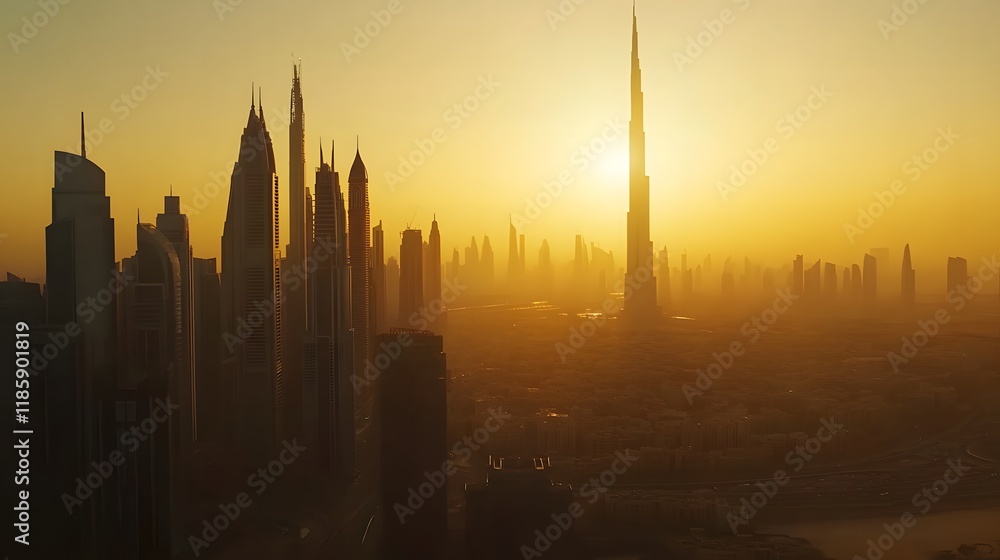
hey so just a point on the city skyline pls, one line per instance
(686, 108)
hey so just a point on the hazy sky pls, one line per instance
(563, 83)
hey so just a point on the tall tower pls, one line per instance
(513, 259)
(378, 281)
(638, 273)
(359, 239)
(81, 381)
(296, 294)
(251, 296)
(432, 266)
(174, 226)
(908, 283)
(411, 284)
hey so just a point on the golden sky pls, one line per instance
(559, 83)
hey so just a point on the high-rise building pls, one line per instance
(411, 282)
(432, 265)
(358, 236)
(295, 311)
(251, 296)
(378, 281)
(81, 380)
(811, 282)
(514, 271)
(885, 275)
(486, 269)
(173, 225)
(546, 274)
(413, 410)
(908, 285)
(471, 270)
(728, 280)
(958, 273)
(857, 283)
(151, 492)
(663, 284)
(328, 394)
(642, 304)
(870, 279)
(392, 293)
(210, 397)
(830, 283)
(797, 275)
(518, 497)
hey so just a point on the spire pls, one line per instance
(332, 154)
(260, 104)
(321, 152)
(358, 174)
(83, 138)
(252, 105)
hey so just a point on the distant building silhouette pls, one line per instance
(797, 275)
(251, 296)
(687, 279)
(392, 292)
(728, 280)
(908, 285)
(830, 283)
(432, 265)
(958, 273)
(663, 282)
(378, 325)
(642, 304)
(811, 282)
(870, 279)
(411, 283)
(885, 276)
(857, 283)
(413, 410)
(486, 266)
(515, 259)
(359, 259)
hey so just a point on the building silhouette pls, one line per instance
(378, 280)
(295, 309)
(210, 400)
(958, 273)
(870, 279)
(251, 296)
(359, 244)
(908, 285)
(432, 265)
(487, 270)
(411, 276)
(413, 410)
(80, 382)
(150, 484)
(811, 282)
(642, 304)
(797, 275)
(830, 283)
(663, 280)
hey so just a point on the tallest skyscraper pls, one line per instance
(295, 318)
(639, 272)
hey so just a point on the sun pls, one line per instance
(613, 163)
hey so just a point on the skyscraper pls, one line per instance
(378, 281)
(797, 273)
(151, 495)
(830, 283)
(514, 272)
(432, 265)
(908, 284)
(870, 279)
(413, 410)
(210, 400)
(81, 381)
(359, 240)
(392, 293)
(411, 284)
(811, 282)
(294, 318)
(642, 304)
(328, 395)
(958, 273)
(174, 227)
(486, 266)
(251, 295)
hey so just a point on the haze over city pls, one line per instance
(565, 280)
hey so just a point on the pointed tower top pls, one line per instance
(358, 174)
(252, 103)
(83, 138)
(260, 104)
(321, 152)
